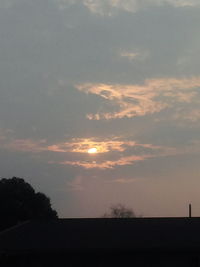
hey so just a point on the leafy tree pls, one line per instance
(19, 202)
(119, 211)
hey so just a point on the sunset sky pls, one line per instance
(100, 103)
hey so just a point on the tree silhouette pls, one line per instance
(19, 202)
(119, 211)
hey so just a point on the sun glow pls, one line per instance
(92, 150)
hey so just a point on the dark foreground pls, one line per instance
(103, 242)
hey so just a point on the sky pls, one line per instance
(118, 77)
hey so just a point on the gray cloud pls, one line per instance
(109, 7)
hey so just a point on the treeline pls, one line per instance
(19, 202)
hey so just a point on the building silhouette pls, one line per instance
(103, 242)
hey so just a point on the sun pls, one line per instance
(92, 150)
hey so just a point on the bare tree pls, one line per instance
(119, 211)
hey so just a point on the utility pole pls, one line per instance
(190, 211)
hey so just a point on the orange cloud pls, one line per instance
(81, 145)
(139, 100)
(75, 145)
(108, 164)
(122, 160)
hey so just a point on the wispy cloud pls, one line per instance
(25, 145)
(74, 145)
(123, 160)
(80, 147)
(132, 55)
(109, 7)
(139, 100)
(129, 55)
(108, 164)
(147, 151)
(102, 145)
(181, 3)
(122, 152)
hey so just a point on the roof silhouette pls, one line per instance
(134, 234)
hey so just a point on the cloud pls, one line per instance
(108, 164)
(151, 97)
(117, 148)
(123, 160)
(81, 145)
(137, 152)
(74, 145)
(103, 6)
(102, 145)
(110, 7)
(130, 55)
(24, 145)
(181, 3)
(121, 152)
(134, 55)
